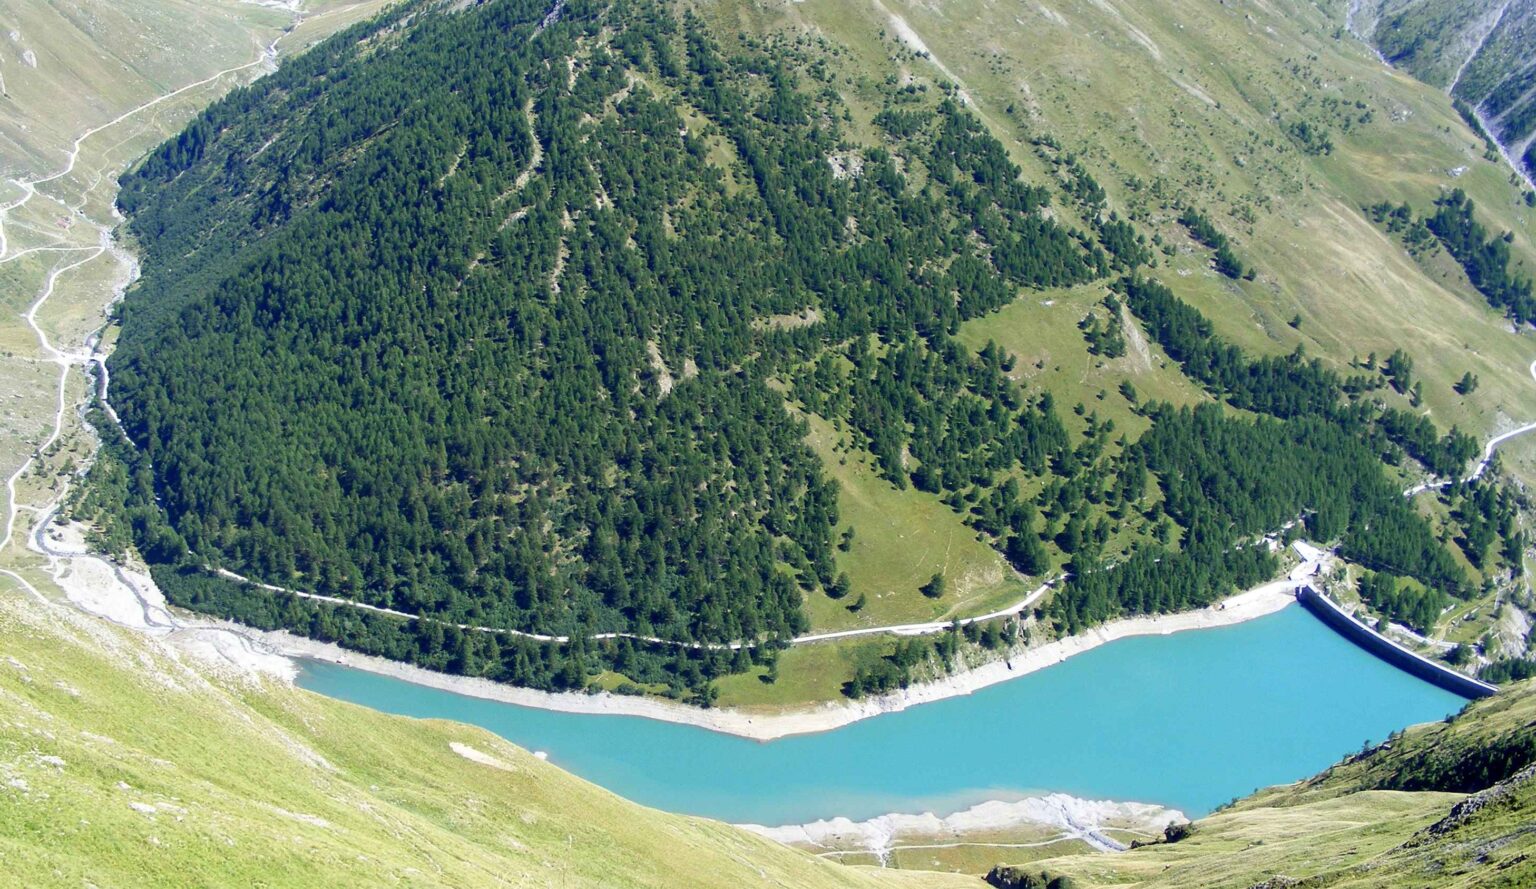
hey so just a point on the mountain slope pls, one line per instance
(85, 90)
(594, 376)
(1204, 104)
(521, 345)
(1480, 52)
(1199, 103)
(123, 763)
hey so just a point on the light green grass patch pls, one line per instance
(806, 673)
(1040, 329)
(902, 538)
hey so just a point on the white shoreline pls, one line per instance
(1066, 817)
(1255, 603)
(131, 599)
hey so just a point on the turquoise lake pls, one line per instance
(1189, 720)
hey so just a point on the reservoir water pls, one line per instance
(1189, 720)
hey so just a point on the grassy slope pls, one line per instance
(263, 784)
(88, 62)
(1338, 829)
(1041, 329)
(1191, 97)
(1187, 102)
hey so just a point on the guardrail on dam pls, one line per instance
(1438, 674)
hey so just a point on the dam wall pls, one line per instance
(1331, 614)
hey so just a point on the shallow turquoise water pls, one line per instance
(1189, 720)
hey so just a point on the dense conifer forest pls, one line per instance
(460, 316)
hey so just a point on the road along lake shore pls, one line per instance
(766, 726)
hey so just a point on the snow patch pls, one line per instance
(474, 755)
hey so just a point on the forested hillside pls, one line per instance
(515, 317)
(473, 322)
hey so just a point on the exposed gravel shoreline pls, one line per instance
(763, 726)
